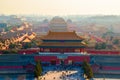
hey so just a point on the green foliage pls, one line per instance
(8, 28)
(5, 51)
(38, 69)
(14, 51)
(97, 46)
(87, 69)
(116, 41)
(27, 45)
(103, 45)
(10, 51)
(100, 46)
(33, 43)
(11, 46)
(14, 46)
(87, 42)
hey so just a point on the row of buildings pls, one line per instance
(16, 35)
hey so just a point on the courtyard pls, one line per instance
(62, 73)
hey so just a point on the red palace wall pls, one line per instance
(29, 51)
(11, 67)
(46, 58)
(79, 58)
(51, 58)
(61, 50)
(110, 68)
(102, 52)
(96, 68)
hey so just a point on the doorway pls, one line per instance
(62, 61)
(70, 62)
(53, 62)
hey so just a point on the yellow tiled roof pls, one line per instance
(62, 36)
(62, 44)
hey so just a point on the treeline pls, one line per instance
(9, 51)
(101, 46)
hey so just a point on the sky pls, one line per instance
(60, 7)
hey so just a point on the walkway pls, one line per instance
(62, 73)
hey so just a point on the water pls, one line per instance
(16, 77)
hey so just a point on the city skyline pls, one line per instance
(60, 7)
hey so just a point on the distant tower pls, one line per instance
(58, 24)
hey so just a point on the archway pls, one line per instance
(53, 62)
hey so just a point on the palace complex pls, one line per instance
(60, 46)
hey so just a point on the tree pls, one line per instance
(10, 51)
(116, 41)
(100, 46)
(8, 28)
(33, 43)
(87, 69)
(38, 69)
(103, 45)
(96, 46)
(27, 45)
(12, 46)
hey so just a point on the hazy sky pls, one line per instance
(60, 7)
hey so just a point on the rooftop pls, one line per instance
(61, 44)
(62, 36)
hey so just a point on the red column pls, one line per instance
(58, 61)
(66, 61)
(80, 49)
(74, 50)
(41, 50)
(83, 50)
